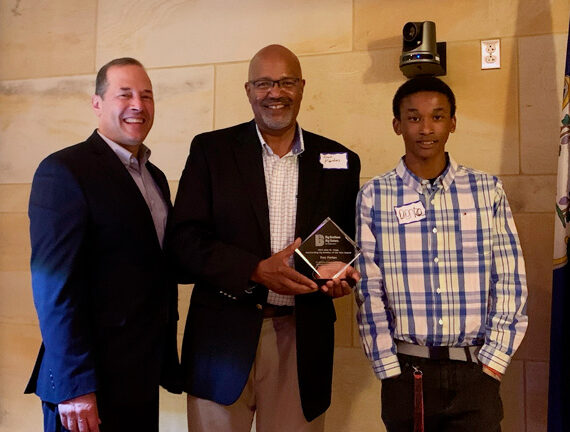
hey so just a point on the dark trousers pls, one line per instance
(142, 417)
(458, 397)
(52, 421)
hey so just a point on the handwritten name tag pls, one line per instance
(411, 212)
(334, 160)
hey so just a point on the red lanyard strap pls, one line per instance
(418, 400)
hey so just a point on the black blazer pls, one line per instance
(220, 232)
(106, 301)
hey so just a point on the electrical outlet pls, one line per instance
(491, 54)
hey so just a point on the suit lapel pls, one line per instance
(124, 187)
(247, 152)
(310, 178)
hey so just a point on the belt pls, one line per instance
(466, 354)
(272, 311)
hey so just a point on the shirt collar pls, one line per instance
(445, 179)
(126, 157)
(298, 142)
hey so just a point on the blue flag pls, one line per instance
(559, 385)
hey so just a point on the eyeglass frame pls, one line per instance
(279, 83)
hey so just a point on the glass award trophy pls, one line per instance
(328, 251)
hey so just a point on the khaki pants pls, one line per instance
(271, 391)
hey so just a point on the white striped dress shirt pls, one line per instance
(281, 181)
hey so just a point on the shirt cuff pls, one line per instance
(387, 367)
(494, 358)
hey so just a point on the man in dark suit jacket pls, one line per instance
(106, 302)
(260, 333)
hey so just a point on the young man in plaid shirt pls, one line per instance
(442, 300)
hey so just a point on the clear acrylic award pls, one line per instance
(328, 251)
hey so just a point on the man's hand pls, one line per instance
(337, 287)
(80, 414)
(276, 274)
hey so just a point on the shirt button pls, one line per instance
(438, 290)
(433, 202)
(436, 260)
(434, 230)
(440, 321)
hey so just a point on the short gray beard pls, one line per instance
(277, 124)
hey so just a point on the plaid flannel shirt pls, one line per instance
(453, 276)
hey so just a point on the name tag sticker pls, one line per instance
(412, 212)
(334, 160)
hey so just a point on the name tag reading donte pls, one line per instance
(334, 160)
(409, 213)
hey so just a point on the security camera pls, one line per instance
(421, 54)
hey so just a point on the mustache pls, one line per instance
(283, 99)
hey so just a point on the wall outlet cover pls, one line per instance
(491, 54)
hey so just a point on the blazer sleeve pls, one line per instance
(58, 223)
(193, 242)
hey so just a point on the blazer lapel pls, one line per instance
(127, 191)
(310, 178)
(247, 152)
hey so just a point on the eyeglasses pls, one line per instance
(263, 85)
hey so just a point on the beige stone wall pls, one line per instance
(197, 52)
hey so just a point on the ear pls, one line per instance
(97, 104)
(302, 87)
(249, 92)
(396, 126)
(453, 124)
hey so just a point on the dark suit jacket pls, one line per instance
(106, 301)
(219, 234)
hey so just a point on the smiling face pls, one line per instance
(126, 110)
(425, 124)
(275, 109)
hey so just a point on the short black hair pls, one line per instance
(421, 84)
(101, 82)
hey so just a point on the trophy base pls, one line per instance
(350, 281)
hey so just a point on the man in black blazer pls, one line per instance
(106, 301)
(260, 332)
